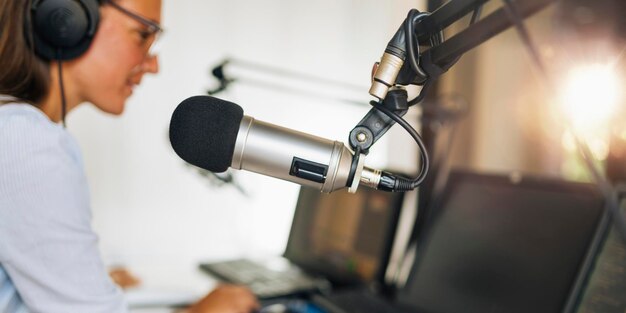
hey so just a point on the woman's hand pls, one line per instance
(226, 299)
(124, 278)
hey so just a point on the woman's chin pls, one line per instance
(111, 108)
(117, 110)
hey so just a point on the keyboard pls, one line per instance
(267, 279)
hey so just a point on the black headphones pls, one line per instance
(62, 29)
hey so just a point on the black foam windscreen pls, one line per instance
(203, 131)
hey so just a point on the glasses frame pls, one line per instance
(153, 27)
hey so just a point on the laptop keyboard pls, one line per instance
(266, 280)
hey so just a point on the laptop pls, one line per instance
(496, 243)
(336, 239)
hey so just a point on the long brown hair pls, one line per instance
(22, 74)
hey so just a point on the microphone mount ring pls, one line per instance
(353, 167)
(358, 171)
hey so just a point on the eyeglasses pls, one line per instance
(153, 29)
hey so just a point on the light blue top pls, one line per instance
(49, 258)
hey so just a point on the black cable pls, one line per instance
(413, 17)
(418, 139)
(413, 51)
(422, 93)
(63, 103)
(411, 46)
(441, 168)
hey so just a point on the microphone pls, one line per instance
(213, 134)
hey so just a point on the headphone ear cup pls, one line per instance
(63, 29)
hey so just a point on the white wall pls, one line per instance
(148, 205)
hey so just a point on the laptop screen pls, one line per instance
(494, 244)
(345, 237)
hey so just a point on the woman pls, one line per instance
(49, 259)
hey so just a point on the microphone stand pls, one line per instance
(433, 63)
(438, 59)
(475, 34)
(220, 72)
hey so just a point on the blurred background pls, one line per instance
(149, 206)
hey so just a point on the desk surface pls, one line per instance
(167, 284)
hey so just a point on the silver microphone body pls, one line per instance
(293, 156)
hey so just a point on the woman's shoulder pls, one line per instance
(38, 158)
(23, 115)
(25, 119)
(25, 129)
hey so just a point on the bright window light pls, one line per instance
(589, 101)
(590, 96)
